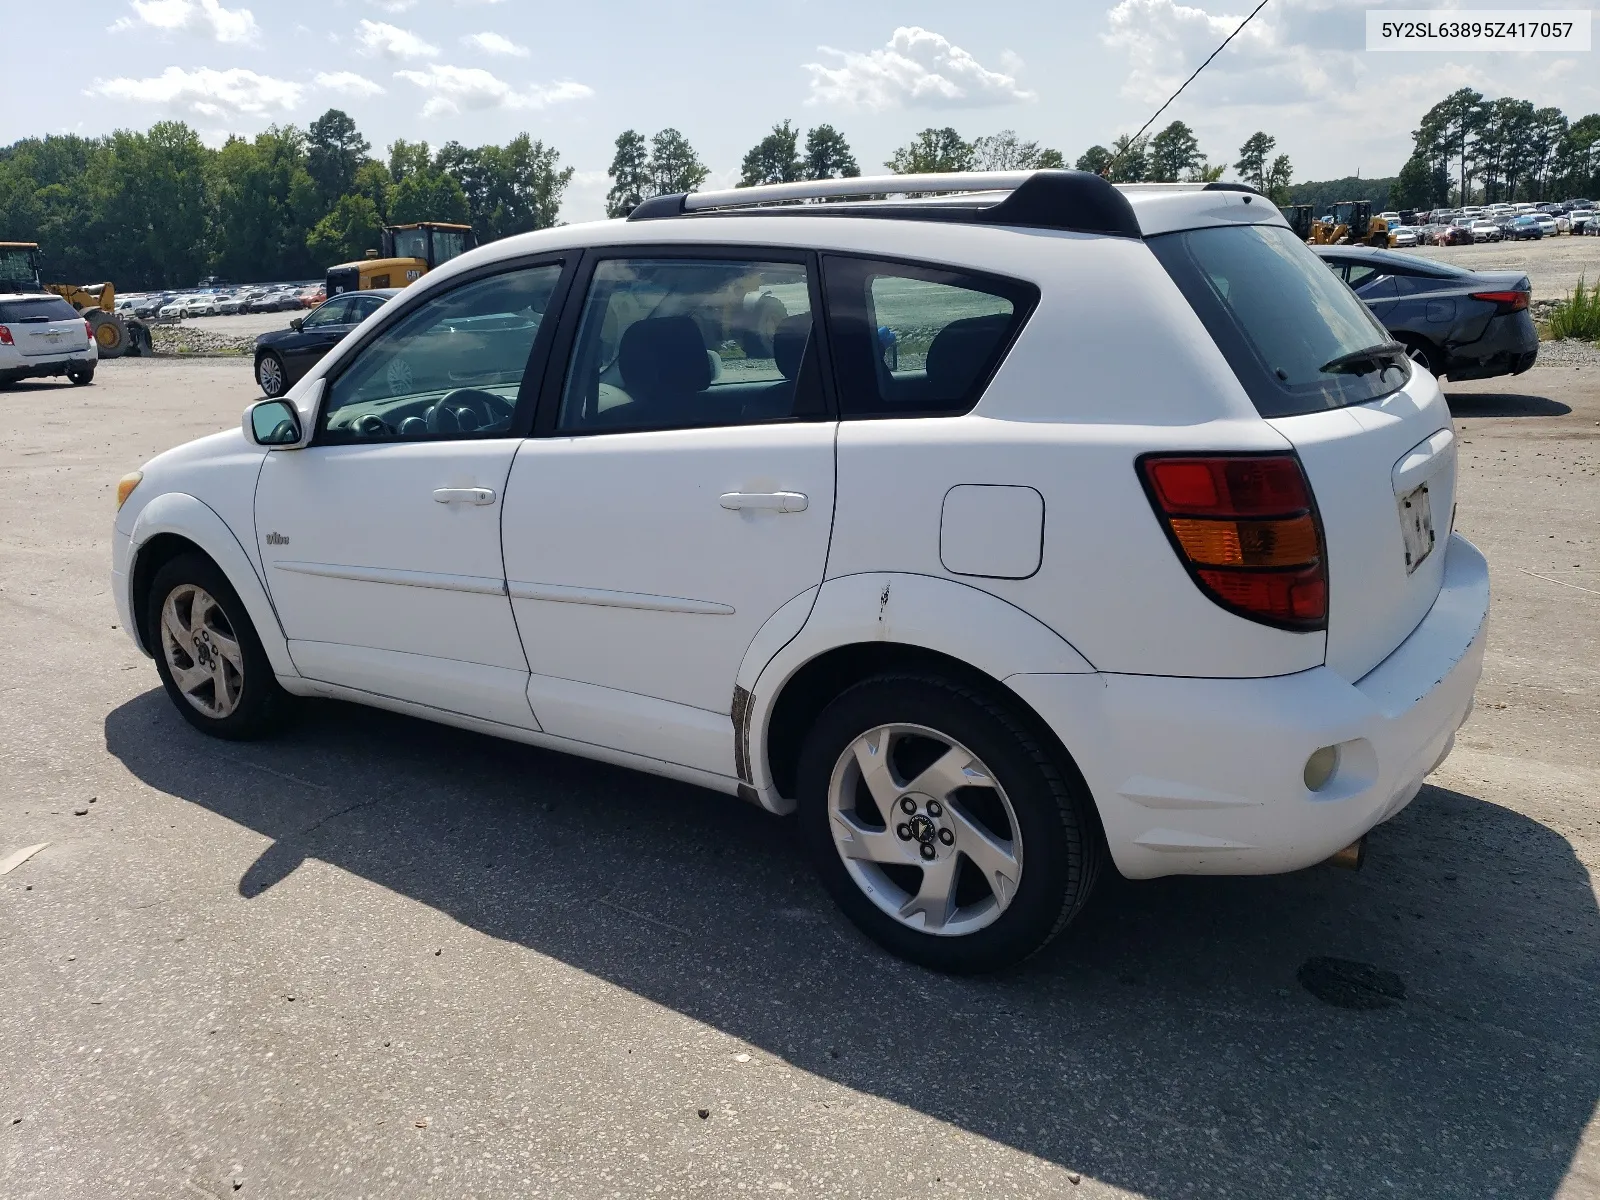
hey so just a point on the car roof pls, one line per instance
(1389, 258)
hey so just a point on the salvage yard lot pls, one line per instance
(379, 957)
(1553, 264)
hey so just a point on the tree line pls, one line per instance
(1468, 149)
(162, 209)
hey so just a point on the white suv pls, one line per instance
(42, 335)
(995, 532)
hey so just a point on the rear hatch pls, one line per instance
(44, 327)
(1372, 432)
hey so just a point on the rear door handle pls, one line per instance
(783, 502)
(474, 495)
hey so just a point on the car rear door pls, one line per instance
(678, 493)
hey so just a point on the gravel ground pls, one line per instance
(376, 957)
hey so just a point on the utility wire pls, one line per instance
(1134, 140)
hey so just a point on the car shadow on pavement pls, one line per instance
(1164, 1044)
(1503, 404)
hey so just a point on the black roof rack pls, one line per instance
(1074, 201)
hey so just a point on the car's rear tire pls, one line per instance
(941, 878)
(80, 375)
(271, 375)
(207, 652)
(1424, 353)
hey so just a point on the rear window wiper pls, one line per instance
(1360, 362)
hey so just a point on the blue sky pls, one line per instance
(1068, 73)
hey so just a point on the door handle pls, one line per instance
(473, 495)
(783, 502)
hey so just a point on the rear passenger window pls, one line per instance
(679, 343)
(918, 341)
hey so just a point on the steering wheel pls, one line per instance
(467, 409)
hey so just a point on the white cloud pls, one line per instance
(390, 41)
(348, 83)
(918, 68)
(218, 95)
(452, 89)
(494, 43)
(205, 17)
(393, 6)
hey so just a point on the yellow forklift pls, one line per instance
(409, 252)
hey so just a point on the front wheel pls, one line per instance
(271, 376)
(942, 827)
(207, 652)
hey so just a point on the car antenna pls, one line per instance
(1110, 166)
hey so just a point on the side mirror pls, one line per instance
(273, 423)
(296, 324)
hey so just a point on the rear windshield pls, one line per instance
(1292, 331)
(46, 308)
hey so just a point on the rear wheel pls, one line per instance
(80, 375)
(941, 826)
(207, 652)
(1424, 354)
(271, 376)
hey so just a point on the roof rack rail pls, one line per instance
(1072, 201)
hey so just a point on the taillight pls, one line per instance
(5, 337)
(1246, 527)
(88, 329)
(1504, 302)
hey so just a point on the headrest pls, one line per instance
(664, 356)
(961, 350)
(789, 343)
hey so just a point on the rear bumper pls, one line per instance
(1509, 346)
(1206, 776)
(18, 366)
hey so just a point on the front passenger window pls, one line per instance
(451, 368)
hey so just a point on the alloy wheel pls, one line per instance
(269, 374)
(925, 830)
(202, 651)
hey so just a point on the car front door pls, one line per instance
(381, 539)
(319, 332)
(678, 493)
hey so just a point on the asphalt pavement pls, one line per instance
(377, 957)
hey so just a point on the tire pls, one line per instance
(1424, 354)
(232, 694)
(81, 376)
(271, 375)
(1028, 817)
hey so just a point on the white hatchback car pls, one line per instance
(42, 335)
(995, 532)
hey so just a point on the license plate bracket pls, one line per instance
(1416, 526)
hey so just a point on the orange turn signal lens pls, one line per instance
(1290, 542)
(125, 486)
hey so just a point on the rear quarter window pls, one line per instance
(918, 340)
(46, 308)
(1289, 327)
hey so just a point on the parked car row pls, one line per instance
(1493, 223)
(217, 301)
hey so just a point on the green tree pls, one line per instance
(674, 166)
(372, 181)
(630, 174)
(265, 205)
(828, 155)
(774, 159)
(1129, 159)
(1205, 171)
(1280, 174)
(335, 151)
(1004, 151)
(1451, 129)
(1253, 160)
(932, 151)
(347, 232)
(1094, 160)
(407, 158)
(1173, 152)
(515, 188)
(428, 195)
(1421, 184)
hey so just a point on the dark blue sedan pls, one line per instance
(1456, 323)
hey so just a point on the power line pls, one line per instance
(1135, 138)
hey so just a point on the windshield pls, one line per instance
(411, 243)
(1291, 330)
(16, 269)
(447, 244)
